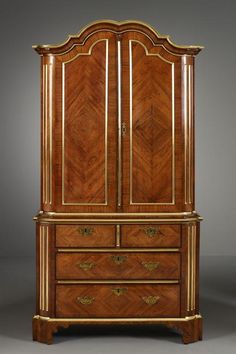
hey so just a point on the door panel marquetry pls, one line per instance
(151, 127)
(152, 157)
(85, 127)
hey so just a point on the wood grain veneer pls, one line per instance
(163, 235)
(117, 233)
(118, 265)
(74, 236)
(106, 303)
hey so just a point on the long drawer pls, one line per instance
(150, 235)
(85, 235)
(118, 265)
(118, 300)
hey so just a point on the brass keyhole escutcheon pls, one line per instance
(85, 231)
(119, 291)
(151, 231)
(119, 259)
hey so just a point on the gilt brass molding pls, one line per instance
(118, 236)
(47, 140)
(151, 54)
(188, 267)
(44, 135)
(119, 320)
(191, 267)
(106, 124)
(118, 33)
(188, 131)
(193, 303)
(119, 167)
(116, 221)
(47, 270)
(167, 214)
(50, 67)
(61, 282)
(60, 250)
(185, 131)
(119, 23)
(43, 268)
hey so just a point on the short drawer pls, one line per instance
(151, 235)
(85, 235)
(118, 300)
(118, 265)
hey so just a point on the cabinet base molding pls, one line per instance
(190, 327)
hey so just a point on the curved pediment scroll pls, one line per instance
(117, 28)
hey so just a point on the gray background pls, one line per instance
(209, 23)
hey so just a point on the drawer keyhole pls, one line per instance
(151, 231)
(119, 291)
(119, 259)
(85, 231)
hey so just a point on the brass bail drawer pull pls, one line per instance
(119, 291)
(86, 265)
(85, 300)
(151, 231)
(119, 259)
(151, 300)
(85, 231)
(151, 265)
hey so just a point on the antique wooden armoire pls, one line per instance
(117, 233)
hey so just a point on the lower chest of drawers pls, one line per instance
(109, 273)
(139, 278)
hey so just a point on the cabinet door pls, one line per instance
(151, 112)
(86, 126)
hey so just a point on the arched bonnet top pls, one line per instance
(117, 28)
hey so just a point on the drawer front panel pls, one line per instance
(118, 300)
(150, 235)
(85, 236)
(121, 265)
